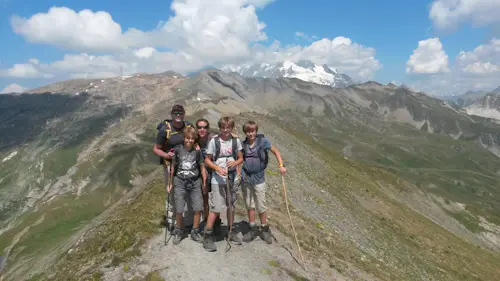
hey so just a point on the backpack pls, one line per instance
(169, 132)
(168, 124)
(261, 152)
(234, 144)
(176, 152)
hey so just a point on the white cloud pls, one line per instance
(478, 69)
(145, 52)
(64, 27)
(340, 53)
(24, 70)
(13, 88)
(428, 57)
(448, 14)
(302, 35)
(200, 33)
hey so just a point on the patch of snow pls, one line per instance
(483, 112)
(77, 94)
(9, 156)
(125, 77)
(175, 76)
(102, 80)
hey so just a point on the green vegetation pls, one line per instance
(116, 240)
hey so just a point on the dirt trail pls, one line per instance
(189, 261)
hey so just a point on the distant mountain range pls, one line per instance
(304, 70)
(479, 103)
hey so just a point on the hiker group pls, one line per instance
(204, 171)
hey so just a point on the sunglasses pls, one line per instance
(202, 127)
(177, 113)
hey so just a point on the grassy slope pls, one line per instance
(400, 243)
(109, 177)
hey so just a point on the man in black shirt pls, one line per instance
(169, 135)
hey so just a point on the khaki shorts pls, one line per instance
(254, 196)
(217, 198)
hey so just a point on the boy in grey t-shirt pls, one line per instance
(188, 167)
(225, 166)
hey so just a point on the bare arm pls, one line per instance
(279, 159)
(157, 149)
(204, 178)
(211, 165)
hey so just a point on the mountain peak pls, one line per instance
(304, 70)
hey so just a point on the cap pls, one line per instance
(177, 107)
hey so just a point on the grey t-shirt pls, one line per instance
(187, 166)
(226, 152)
(253, 167)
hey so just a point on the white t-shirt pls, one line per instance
(226, 154)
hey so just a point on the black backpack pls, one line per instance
(169, 132)
(261, 152)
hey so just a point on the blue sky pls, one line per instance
(381, 36)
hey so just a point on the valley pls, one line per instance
(385, 183)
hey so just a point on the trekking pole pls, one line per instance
(229, 210)
(291, 222)
(168, 224)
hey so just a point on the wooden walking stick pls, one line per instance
(291, 222)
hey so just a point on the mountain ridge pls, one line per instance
(304, 69)
(354, 156)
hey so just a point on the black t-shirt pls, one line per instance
(176, 137)
(203, 145)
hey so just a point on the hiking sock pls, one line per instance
(265, 234)
(208, 241)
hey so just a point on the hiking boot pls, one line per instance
(251, 235)
(208, 241)
(178, 236)
(265, 234)
(235, 238)
(196, 235)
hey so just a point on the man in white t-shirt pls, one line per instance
(225, 149)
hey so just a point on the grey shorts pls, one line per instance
(217, 198)
(190, 191)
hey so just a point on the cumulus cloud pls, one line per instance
(340, 53)
(24, 70)
(448, 14)
(478, 69)
(13, 88)
(428, 57)
(199, 33)
(64, 27)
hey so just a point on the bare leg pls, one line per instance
(263, 218)
(196, 222)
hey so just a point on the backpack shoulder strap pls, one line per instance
(217, 149)
(263, 153)
(234, 147)
(168, 129)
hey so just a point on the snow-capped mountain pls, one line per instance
(488, 106)
(304, 70)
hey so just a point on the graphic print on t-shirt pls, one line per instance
(187, 165)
